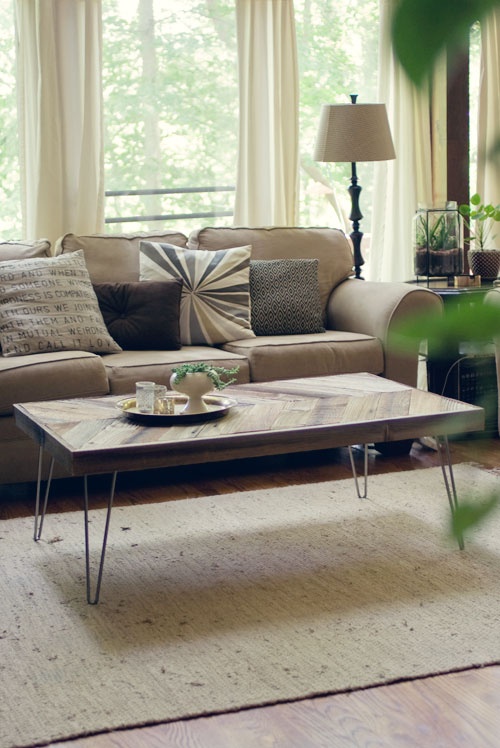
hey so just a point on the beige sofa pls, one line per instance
(359, 317)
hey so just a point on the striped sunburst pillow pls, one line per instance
(215, 300)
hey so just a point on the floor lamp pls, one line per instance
(351, 133)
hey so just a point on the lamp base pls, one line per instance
(356, 215)
(356, 237)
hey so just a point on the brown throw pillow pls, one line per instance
(142, 315)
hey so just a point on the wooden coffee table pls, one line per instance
(91, 435)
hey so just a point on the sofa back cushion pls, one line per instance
(329, 246)
(114, 258)
(24, 250)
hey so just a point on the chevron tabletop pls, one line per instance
(91, 435)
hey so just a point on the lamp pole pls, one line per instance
(356, 214)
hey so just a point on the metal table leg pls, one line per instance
(365, 471)
(443, 449)
(37, 532)
(94, 600)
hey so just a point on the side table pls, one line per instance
(461, 367)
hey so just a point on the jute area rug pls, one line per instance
(243, 599)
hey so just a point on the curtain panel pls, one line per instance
(268, 155)
(488, 165)
(418, 174)
(60, 116)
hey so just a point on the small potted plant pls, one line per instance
(480, 219)
(198, 379)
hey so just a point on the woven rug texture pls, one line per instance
(251, 598)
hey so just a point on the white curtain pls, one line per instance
(60, 117)
(267, 179)
(418, 174)
(488, 167)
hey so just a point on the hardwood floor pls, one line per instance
(448, 711)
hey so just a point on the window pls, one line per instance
(474, 80)
(338, 55)
(10, 189)
(170, 109)
(171, 104)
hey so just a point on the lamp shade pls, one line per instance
(354, 132)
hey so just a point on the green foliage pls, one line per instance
(214, 373)
(456, 324)
(479, 219)
(423, 29)
(469, 515)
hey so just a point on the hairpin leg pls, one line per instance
(365, 471)
(95, 599)
(443, 449)
(37, 532)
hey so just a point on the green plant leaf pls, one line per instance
(468, 515)
(457, 324)
(423, 29)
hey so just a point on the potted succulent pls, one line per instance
(480, 219)
(198, 379)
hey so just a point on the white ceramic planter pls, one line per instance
(194, 385)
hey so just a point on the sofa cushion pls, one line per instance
(215, 301)
(284, 297)
(50, 376)
(292, 356)
(142, 315)
(329, 246)
(48, 304)
(126, 368)
(23, 250)
(114, 258)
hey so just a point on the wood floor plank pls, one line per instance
(446, 711)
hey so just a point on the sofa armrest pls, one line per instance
(378, 309)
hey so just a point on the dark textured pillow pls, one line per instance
(285, 298)
(142, 315)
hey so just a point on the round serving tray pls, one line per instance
(217, 407)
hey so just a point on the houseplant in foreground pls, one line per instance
(198, 379)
